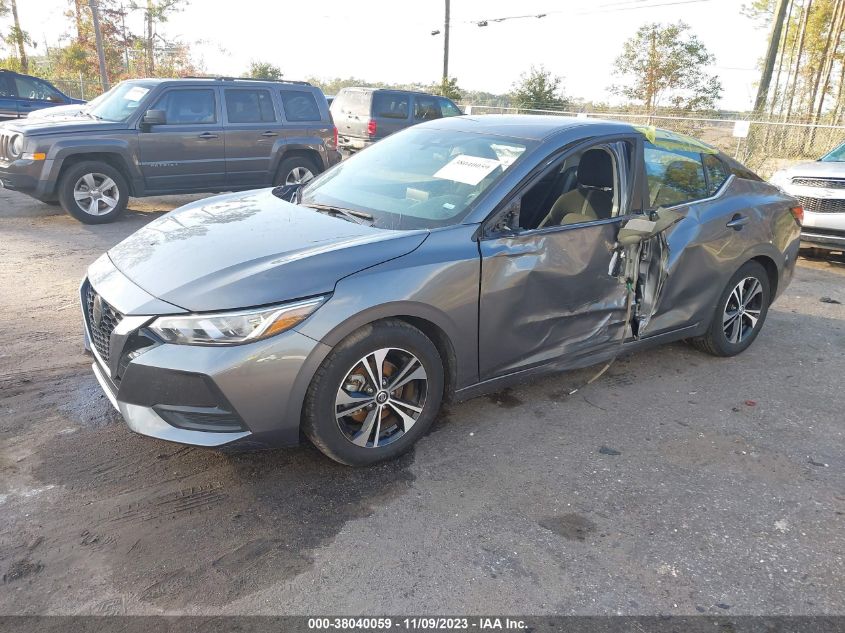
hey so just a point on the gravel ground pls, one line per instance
(676, 484)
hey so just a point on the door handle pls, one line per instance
(737, 222)
(207, 135)
(269, 133)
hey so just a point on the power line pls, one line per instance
(610, 7)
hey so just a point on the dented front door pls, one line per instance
(547, 295)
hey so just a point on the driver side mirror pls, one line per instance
(642, 228)
(289, 193)
(154, 117)
(55, 99)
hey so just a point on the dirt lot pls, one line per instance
(676, 484)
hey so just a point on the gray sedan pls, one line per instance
(451, 259)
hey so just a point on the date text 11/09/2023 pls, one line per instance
(430, 623)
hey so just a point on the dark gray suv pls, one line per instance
(365, 115)
(171, 136)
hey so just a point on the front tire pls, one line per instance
(740, 313)
(93, 192)
(375, 395)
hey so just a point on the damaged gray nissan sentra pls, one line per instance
(448, 260)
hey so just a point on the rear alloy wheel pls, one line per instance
(375, 394)
(296, 170)
(93, 193)
(740, 313)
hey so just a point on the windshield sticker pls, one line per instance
(469, 170)
(136, 94)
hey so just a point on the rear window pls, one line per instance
(300, 105)
(390, 105)
(352, 102)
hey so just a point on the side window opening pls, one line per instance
(249, 106)
(185, 107)
(32, 88)
(426, 108)
(717, 173)
(674, 177)
(584, 187)
(447, 108)
(390, 105)
(300, 106)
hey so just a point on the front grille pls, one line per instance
(100, 333)
(827, 183)
(822, 205)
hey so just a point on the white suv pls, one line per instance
(820, 188)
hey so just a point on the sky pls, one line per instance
(390, 40)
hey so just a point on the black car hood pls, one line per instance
(250, 249)
(63, 125)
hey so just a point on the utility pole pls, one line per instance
(19, 38)
(771, 55)
(98, 37)
(446, 46)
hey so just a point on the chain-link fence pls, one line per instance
(77, 88)
(766, 146)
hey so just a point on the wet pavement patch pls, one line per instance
(20, 569)
(505, 399)
(175, 526)
(571, 526)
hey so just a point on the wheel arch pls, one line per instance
(112, 159)
(304, 151)
(435, 325)
(771, 272)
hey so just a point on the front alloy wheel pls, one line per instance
(381, 397)
(96, 194)
(375, 394)
(93, 192)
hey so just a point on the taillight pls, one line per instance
(371, 127)
(798, 214)
(334, 136)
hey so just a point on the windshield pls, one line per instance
(120, 102)
(418, 178)
(836, 156)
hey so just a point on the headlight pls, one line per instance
(16, 145)
(232, 328)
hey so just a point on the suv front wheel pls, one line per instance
(93, 192)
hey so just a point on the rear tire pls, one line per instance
(382, 425)
(740, 313)
(93, 192)
(295, 170)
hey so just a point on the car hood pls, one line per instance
(57, 112)
(61, 125)
(250, 249)
(817, 169)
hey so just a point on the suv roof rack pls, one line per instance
(222, 78)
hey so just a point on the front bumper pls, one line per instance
(823, 230)
(25, 176)
(198, 395)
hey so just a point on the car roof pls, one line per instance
(538, 127)
(526, 126)
(226, 81)
(371, 89)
